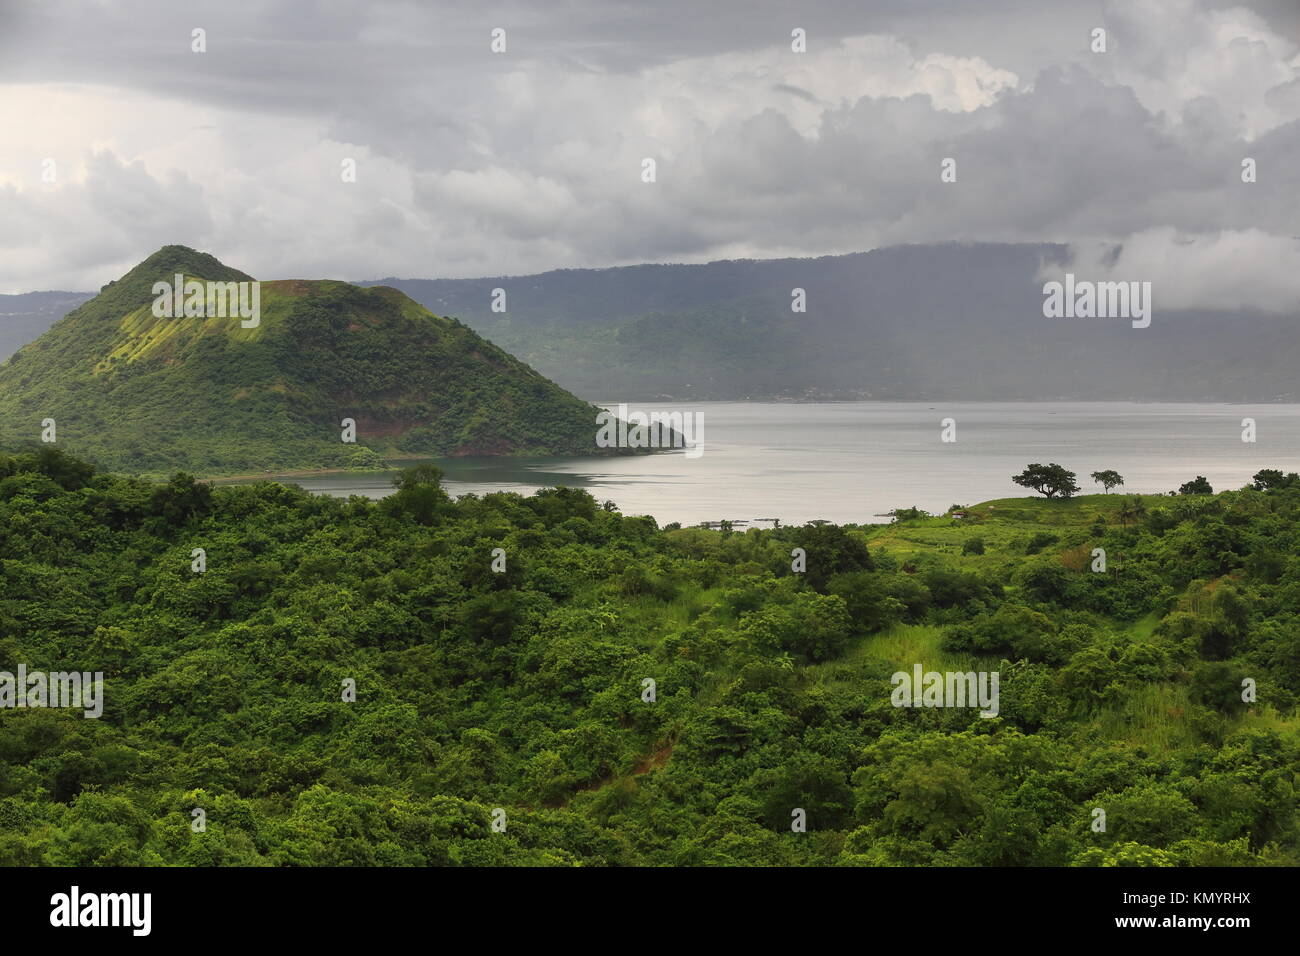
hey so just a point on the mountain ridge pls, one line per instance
(947, 321)
(950, 321)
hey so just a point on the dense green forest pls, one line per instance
(139, 393)
(517, 693)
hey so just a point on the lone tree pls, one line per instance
(1050, 480)
(1199, 486)
(1108, 479)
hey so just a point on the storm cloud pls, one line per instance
(470, 162)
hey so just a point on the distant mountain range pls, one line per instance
(933, 322)
(24, 318)
(929, 322)
(135, 391)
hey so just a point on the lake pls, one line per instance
(853, 461)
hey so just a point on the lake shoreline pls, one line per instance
(854, 462)
(281, 475)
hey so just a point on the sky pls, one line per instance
(119, 137)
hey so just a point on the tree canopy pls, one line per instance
(542, 680)
(1050, 480)
(1108, 479)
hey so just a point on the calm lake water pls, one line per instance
(852, 461)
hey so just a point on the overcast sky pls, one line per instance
(470, 162)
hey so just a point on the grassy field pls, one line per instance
(1005, 525)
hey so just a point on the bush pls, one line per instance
(1040, 541)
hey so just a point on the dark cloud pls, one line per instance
(470, 162)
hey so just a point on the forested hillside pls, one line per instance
(520, 688)
(138, 392)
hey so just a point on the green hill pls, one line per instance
(135, 392)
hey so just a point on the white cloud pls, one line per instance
(1230, 270)
(1173, 53)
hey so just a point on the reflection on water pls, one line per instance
(462, 476)
(853, 461)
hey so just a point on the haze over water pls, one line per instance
(853, 461)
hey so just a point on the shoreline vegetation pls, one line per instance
(276, 476)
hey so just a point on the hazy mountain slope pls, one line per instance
(911, 322)
(24, 318)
